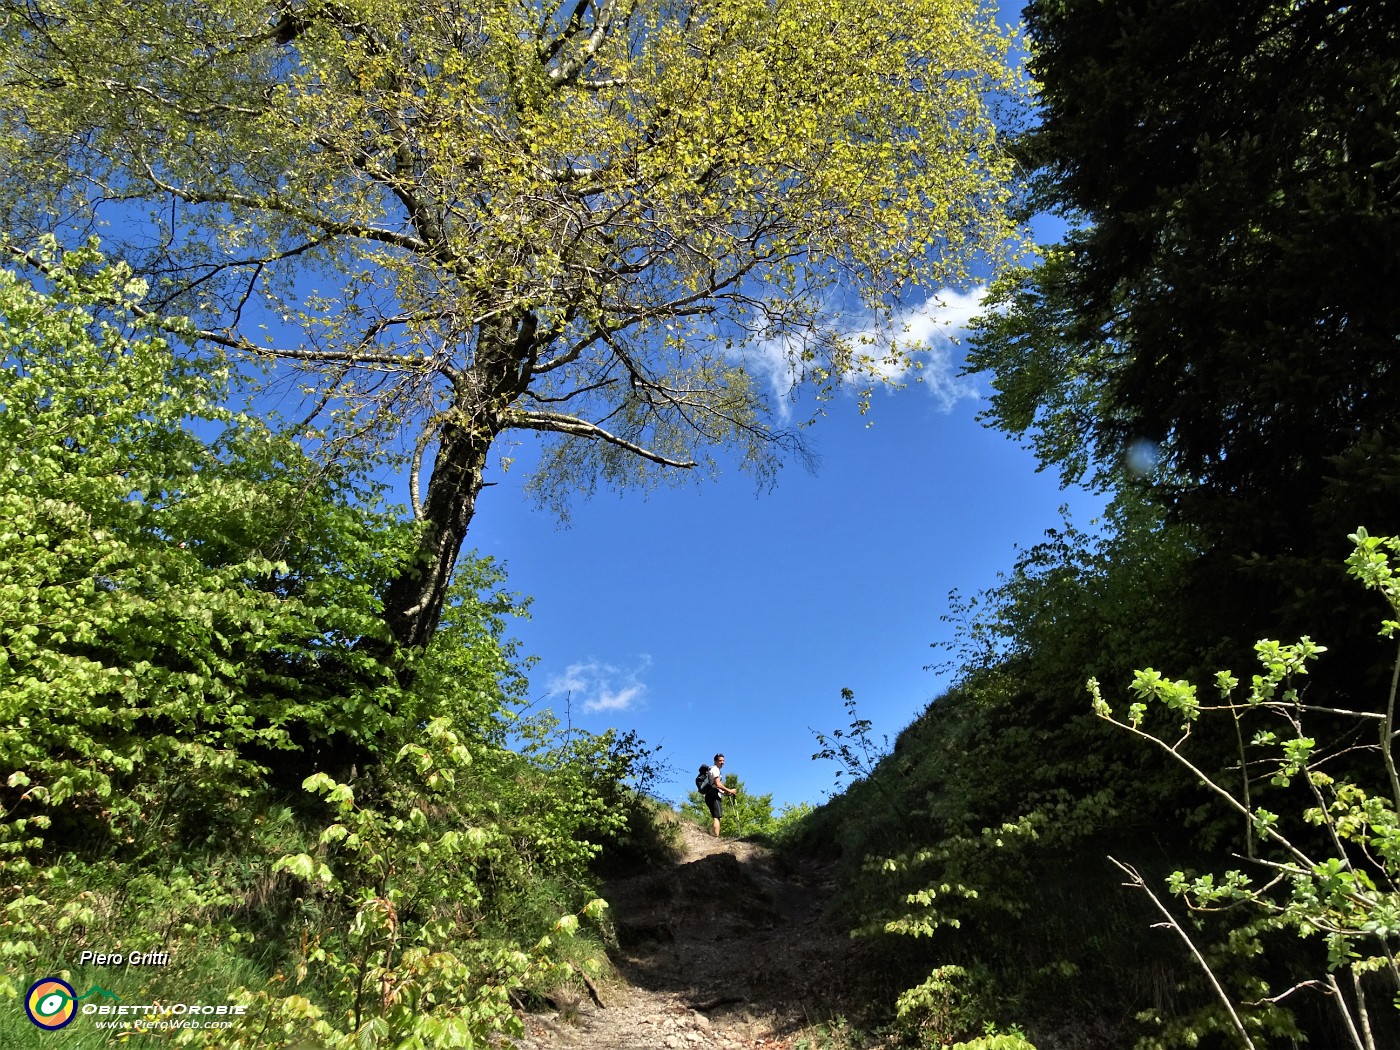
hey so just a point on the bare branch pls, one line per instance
(1171, 923)
(1342, 712)
(1210, 785)
(572, 26)
(1346, 1014)
(557, 399)
(558, 423)
(425, 436)
(1388, 735)
(258, 264)
(1276, 999)
(569, 356)
(122, 87)
(272, 202)
(233, 341)
(568, 70)
(1362, 1015)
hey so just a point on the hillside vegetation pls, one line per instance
(206, 757)
(1151, 864)
(1212, 345)
(265, 733)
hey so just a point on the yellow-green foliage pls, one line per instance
(183, 594)
(994, 1040)
(169, 605)
(632, 204)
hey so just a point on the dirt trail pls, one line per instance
(724, 949)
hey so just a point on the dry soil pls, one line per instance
(726, 948)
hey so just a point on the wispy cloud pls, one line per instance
(934, 328)
(917, 344)
(598, 686)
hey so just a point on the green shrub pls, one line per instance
(747, 815)
(207, 746)
(1327, 869)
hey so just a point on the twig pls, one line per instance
(1140, 883)
(1276, 999)
(1346, 1014)
(714, 1004)
(1387, 735)
(1361, 1010)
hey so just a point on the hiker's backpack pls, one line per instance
(702, 779)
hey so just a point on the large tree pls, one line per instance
(608, 221)
(1225, 297)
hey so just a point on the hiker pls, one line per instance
(715, 791)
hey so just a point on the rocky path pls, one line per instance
(724, 949)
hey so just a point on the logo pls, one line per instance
(52, 1004)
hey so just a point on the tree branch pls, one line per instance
(1388, 735)
(569, 69)
(273, 203)
(558, 423)
(1141, 883)
(233, 341)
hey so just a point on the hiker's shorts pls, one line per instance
(716, 806)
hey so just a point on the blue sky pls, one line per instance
(710, 617)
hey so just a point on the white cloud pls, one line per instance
(916, 344)
(596, 686)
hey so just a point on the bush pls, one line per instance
(747, 815)
(1327, 870)
(209, 748)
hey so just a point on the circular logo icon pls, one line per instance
(51, 1003)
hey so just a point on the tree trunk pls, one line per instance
(499, 373)
(413, 602)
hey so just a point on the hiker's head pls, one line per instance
(719, 760)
